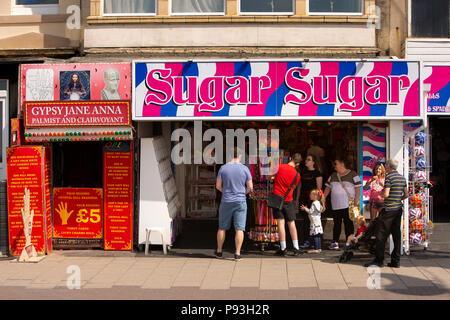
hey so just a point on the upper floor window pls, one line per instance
(430, 18)
(35, 7)
(336, 7)
(266, 7)
(198, 7)
(129, 7)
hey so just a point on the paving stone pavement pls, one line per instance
(201, 276)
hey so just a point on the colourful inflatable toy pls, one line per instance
(415, 213)
(419, 151)
(421, 176)
(417, 225)
(416, 200)
(421, 163)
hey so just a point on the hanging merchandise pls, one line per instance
(421, 163)
(265, 231)
(419, 151)
(420, 138)
(415, 238)
(421, 176)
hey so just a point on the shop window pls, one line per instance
(78, 165)
(4, 125)
(266, 7)
(430, 19)
(25, 7)
(335, 7)
(129, 7)
(198, 7)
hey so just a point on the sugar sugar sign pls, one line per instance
(278, 89)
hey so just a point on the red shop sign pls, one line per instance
(27, 167)
(77, 113)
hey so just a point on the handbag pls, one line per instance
(275, 201)
(353, 212)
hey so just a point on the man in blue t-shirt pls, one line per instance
(390, 218)
(234, 181)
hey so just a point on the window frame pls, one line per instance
(30, 9)
(309, 13)
(4, 97)
(198, 13)
(266, 13)
(128, 14)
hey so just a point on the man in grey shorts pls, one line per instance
(234, 181)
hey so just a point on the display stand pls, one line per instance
(159, 205)
(417, 220)
(202, 191)
(265, 231)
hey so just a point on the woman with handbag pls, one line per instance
(376, 186)
(311, 179)
(282, 202)
(345, 188)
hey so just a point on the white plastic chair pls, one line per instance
(147, 238)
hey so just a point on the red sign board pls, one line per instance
(78, 213)
(77, 113)
(118, 186)
(28, 167)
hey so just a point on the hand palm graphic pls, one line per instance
(63, 213)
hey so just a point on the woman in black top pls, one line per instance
(75, 89)
(311, 178)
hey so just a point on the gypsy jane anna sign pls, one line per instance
(80, 113)
(287, 89)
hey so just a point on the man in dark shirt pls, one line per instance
(395, 191)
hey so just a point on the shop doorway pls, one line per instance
(327, 139)
(440, 171)
(78, 165)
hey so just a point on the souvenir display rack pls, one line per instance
(202, 192)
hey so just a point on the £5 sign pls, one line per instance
(276, 89)
(78, 213)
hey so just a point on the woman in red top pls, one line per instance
(376, 185)
(283, 179)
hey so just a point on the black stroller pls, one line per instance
(366, 242)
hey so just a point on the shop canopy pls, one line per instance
(66, 134)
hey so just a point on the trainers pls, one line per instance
(298, 252)
(281, 252)
(305, 244)
(237, 257)
(218, 254)
(393, 265)
(334, 246)
(374, 263)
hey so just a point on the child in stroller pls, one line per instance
(364, 235)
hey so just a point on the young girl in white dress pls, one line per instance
(314, 213)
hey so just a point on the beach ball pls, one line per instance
(421, 163)
(420, 138)
(416, 200)
(415, 213)
(419, 151)
(415, 238)
(417, 225)
(421, 176)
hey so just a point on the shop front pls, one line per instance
(74, 153)
(328, 108)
